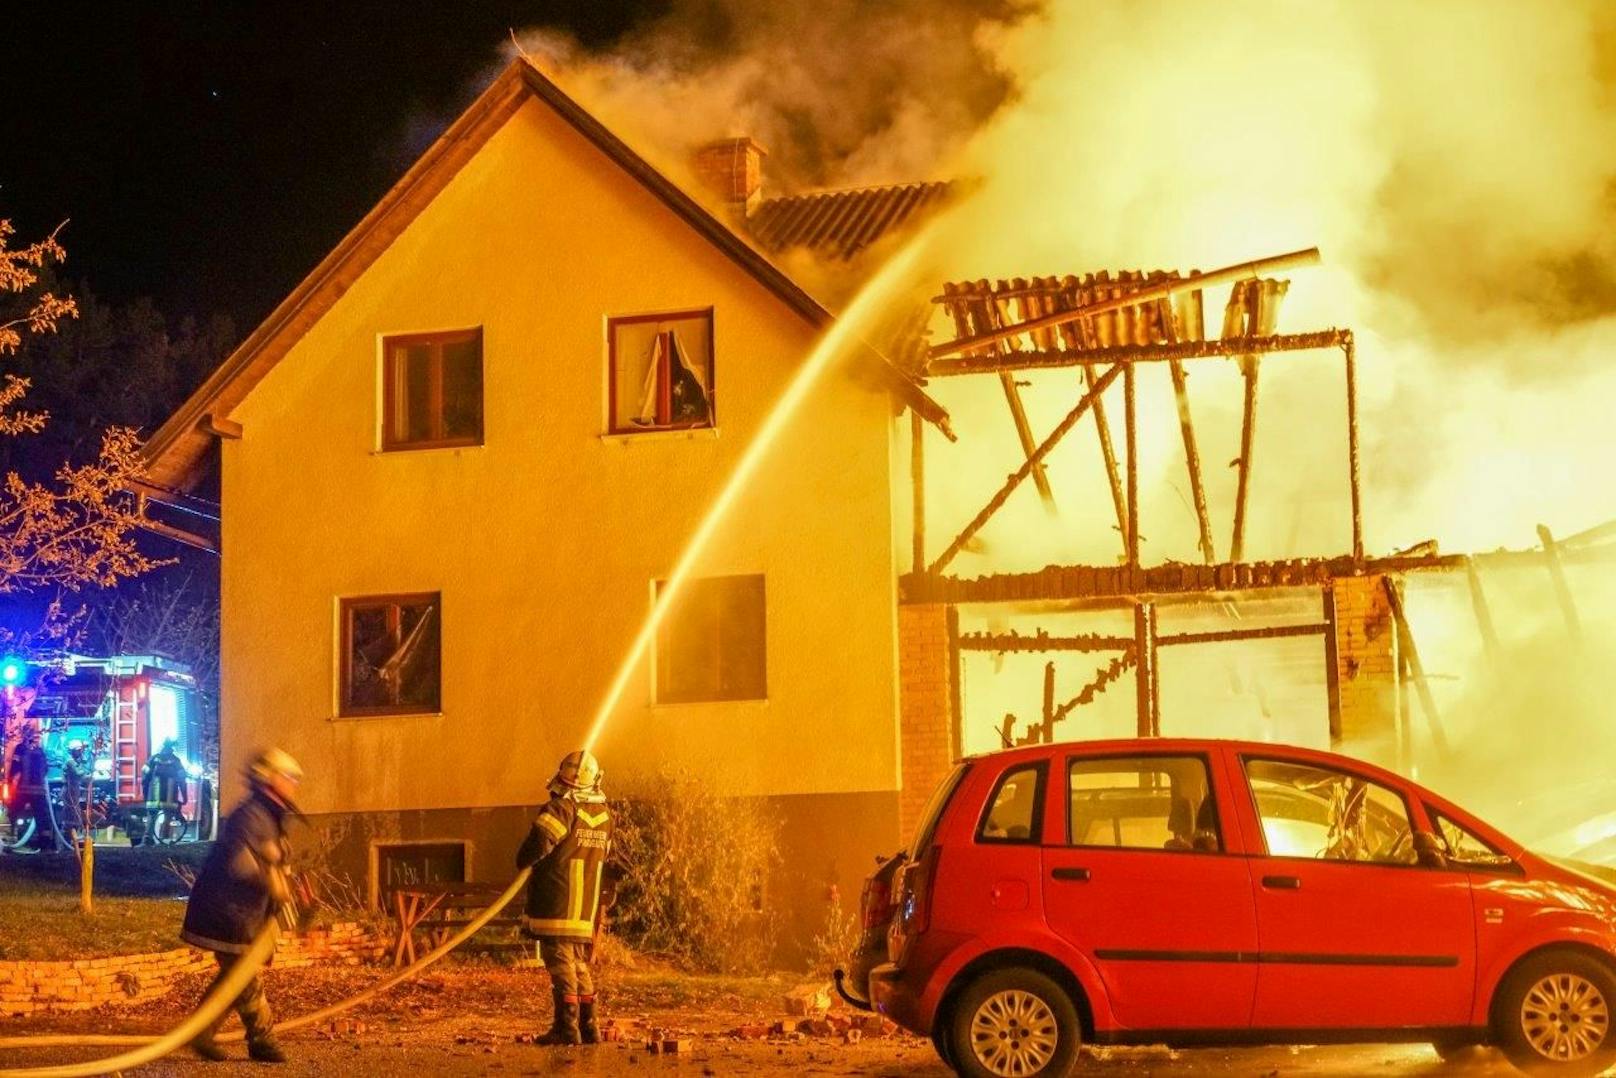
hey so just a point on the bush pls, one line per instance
(693, 868)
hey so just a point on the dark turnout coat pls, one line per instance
(567, 847)
(243, 880)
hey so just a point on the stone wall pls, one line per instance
(29, 986)
(1366, 667)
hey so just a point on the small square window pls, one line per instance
(711, 645)
(432, 390)
(391, 660)
(661, 372)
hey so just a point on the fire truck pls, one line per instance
(124, 708)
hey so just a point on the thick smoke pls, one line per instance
(840, 92)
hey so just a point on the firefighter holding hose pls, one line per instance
(241, 887)
(566, 848)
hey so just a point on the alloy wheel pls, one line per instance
(1014, 1033)
(1565, 1017)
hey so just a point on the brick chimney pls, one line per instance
(732, 169)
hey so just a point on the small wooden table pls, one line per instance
(438, 909)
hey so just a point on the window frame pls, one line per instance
(613, 321)
(1035, 836)
(1256, 811)
(392, 344)
(661, 653)
(345, 606)
(1205, 759)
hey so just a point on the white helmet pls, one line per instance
(271, 762)
(578, 772)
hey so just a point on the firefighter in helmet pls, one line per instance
(78, 774)
(164, 782)
(240, 890)
(567, 848)
(27, 778)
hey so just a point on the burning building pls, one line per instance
(461, 460)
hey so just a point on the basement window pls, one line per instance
(660, 372)
(391, 656)
(711, 645)
(432, 390)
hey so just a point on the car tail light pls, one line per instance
(919, 880)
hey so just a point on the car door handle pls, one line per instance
(1282, 883)
(1078, 875)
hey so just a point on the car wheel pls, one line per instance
(1458, 1051)
(1013, 1022)
(940, 1033)
(1552, 1015)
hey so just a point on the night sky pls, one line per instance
(209, 154)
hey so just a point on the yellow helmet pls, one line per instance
(272, 762)
(578, 771)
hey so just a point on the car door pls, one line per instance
(1139, 877)
(1352, 932)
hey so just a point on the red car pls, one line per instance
(1196, 892)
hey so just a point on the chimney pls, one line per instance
(732, 169)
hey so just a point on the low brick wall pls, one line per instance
(26, 987)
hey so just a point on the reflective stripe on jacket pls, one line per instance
(567, 847)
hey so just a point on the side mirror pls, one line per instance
(1429, 850)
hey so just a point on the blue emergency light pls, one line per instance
(13, 671)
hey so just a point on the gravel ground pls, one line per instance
(470, 1018)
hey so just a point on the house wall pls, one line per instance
(1366, 667)
(545, 541)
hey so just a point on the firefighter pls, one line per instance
(77, 779)
(567, 848)
(164, 783)
(27, 778)
(241, 887)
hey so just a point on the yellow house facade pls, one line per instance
(453, 444)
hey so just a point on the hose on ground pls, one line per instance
(171, 1040)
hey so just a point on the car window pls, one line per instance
(1015, 807)
(1143, 803)
(1463, 846)
(1310, 811)
(933, 811)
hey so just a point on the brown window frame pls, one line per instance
(391, 345)
(345, 607)
(613, 321)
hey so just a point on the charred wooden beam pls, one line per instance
(1596, 534)
(1047, 727)
(1049, 359)
(1018, 416)
(1350, 351)
(1147, 690)
(1484, 612)
(917, 479)
(1167, 288)
(1248, 437)
(1562, 593)
(1275, 632)
(1192, 459)
(1332, 666)
(1410, 653)
(1026, 468)
(1014, 642)
(1107, 674)
(1130, 405)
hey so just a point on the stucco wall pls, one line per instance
(544, 542)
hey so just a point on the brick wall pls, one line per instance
(928, 744)
(27, 986)
(1366, 667)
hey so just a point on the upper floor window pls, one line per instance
(711, 645)
(391, 655)
(660, 371)
(432, 389)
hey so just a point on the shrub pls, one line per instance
(693, 867)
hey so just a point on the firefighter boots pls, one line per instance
(265, 1050)
(588, 1026)
(564, 1030)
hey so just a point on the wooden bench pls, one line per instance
(438, 909)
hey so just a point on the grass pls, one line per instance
(138, 903)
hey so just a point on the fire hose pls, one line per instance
(214, 1005)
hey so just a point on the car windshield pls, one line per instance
(934, 809)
